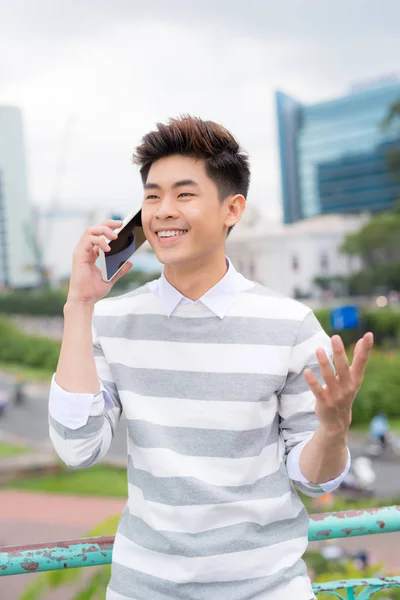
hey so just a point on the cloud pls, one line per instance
(110, 70)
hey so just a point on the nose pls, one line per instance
(166, 209)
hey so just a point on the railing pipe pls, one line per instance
(71, 554)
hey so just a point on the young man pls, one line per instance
(220, 380)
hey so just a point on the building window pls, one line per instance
(252, 269)
(295, 263)
(297, 293)
(324, 260)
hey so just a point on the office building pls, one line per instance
(17, 254)
(333, 154)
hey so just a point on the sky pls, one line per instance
(91, 78)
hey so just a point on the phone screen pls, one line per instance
(129, 239)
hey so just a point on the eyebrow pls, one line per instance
(180, 183)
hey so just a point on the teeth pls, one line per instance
(170, 233)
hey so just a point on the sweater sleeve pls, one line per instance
(298, 420)
(82, 426)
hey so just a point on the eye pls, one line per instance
(151, 197)
(185, 194)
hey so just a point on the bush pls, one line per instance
(48, 303)
(31, 351)
(380, 389)
(384, 324)
(324, 570)
(51, 302)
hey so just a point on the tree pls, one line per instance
(393, 120)
(378, 245)
(378, 241)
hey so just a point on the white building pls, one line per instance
(16, 253)
(287, 258)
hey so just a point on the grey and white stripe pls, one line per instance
(212, 406)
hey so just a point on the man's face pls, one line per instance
(182, 215)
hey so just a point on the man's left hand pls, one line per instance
(334, 401)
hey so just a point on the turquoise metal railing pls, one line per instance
(71, 554)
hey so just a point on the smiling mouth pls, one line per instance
(171, 233)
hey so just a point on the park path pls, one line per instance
(33, 517)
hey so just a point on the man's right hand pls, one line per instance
(86, 285)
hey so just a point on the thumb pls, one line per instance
(127, 267)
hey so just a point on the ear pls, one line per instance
(235, 207)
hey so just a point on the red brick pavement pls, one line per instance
(33, 517)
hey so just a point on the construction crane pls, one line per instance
(38, 246)
(59, 178)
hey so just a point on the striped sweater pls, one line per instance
(213, 407)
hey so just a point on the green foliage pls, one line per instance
(381, 385)
(27, 373)
(48, 303)
(384, 324)
(51, 302)
(18, 348)
(376, 280)
(377, 243)
(377, 240)
(337, 570)
(393, 119)
(380, 388)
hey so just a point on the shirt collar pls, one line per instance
(219, 299)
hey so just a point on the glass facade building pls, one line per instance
(333, 154)
(16, 252)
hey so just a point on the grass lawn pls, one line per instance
(112, 482)
(28, 373)
(96, 481)
(11, 449)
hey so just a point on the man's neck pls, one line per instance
(195, 278)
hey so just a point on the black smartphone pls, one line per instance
(130, 238)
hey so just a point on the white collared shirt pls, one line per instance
(219, 299)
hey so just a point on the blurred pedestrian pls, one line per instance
(379, 429)
(19, 390)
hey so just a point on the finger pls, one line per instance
(103, 230)
(327, 371)
(314, 384)
(341, 361)
(361, 357)
(357, 347)
(112, 223)
(92, 241)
